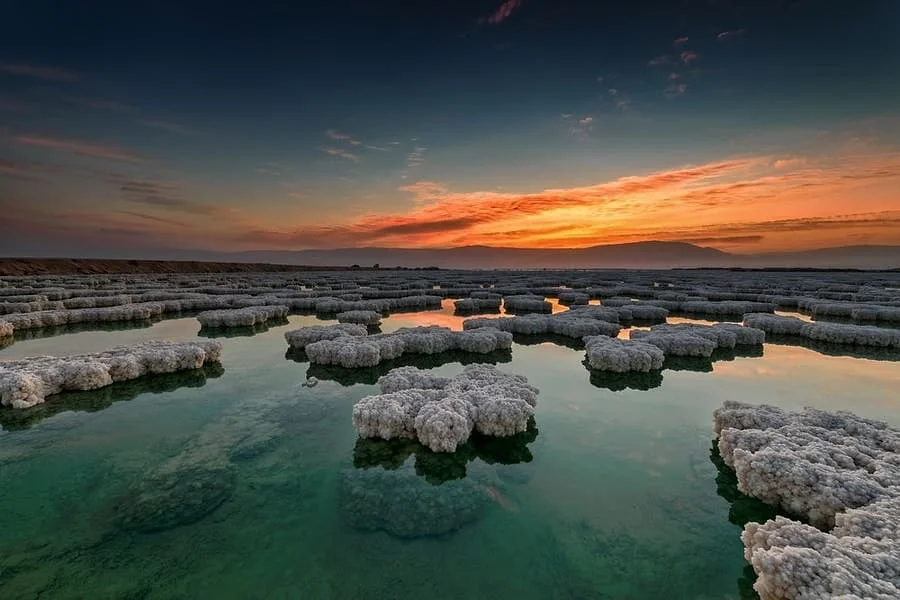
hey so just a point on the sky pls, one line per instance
(134, 128)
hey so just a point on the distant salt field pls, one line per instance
(411, 434)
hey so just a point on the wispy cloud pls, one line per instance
(789, 163)
(727, 36)
(165, 126)
(341, 153)
(38, 72)
(336, 135)
(658, 60)
(676, 89)
(416, 157)
(689, 56)
(17, 170)
(80, 148)
(681, 40)
(502, 13)
(101, 104)
(674, 76)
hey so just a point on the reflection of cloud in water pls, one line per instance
(95, 400)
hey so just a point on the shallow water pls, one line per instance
(258, 486)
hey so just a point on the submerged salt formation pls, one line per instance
(242, 317)
(443, 412)
(368, 351)
(300, 338)
(836, 470)
(26, 382)
(360, 317)
(832, 333)
(622, 356)
(688, 339)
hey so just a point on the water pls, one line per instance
(242, 483)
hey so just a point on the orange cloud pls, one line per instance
(80, 148)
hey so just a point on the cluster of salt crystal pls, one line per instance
(526, 303)
(833, 333)
(443, 412)
(836, 470)
(575, 324)
(471, 305)
(689, 339)
(368, 351)
(604, 353)
(300, 338)
(26, 382)
(360, 317)
(242, 317)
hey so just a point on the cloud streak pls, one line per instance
(80, 148)
(38, 72)
(503, 12)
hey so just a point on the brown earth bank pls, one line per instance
(100, 266)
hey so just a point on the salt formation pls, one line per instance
(6, 329)
(127, 312)
(242, 317)
(368, 351)
(622, 356)
(24, 383)
(360, 317)
(688, 339)
(832, 333)
(526, 303)
(300, 338)
(570, 298)
(442, 412)
(645, 313)
(833, 469)
(472, 305)
(728, 307)
(574, 324)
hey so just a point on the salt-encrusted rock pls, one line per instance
(573, 324)
(855, 335)
(242, 317)
(50, 318)
(643, 312)
(360, 317)
(472, 305)
(443, 412)
(356, 352)
(570, 298)
(682, 343)
(524, 303)
(6, 329)
(773, 324)
(728, 307)
(300, 338)
(797, 561)
(622, 356)
(24, 383)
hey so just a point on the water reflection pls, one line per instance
(46, 332)
(95, 400)
(234, 332)
(868, 352)
(370, 375)
(440, 467)
(618, 382)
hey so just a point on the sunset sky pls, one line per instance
(744, 125)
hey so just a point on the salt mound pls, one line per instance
(241, 317)
(300, 338)
(471, 305)
(442, 413)
(6, 329)
(26, 382)
(355, 352)
(622, 356)
(689, 339)
(574, 324)
(360, 317)
(832, 333)
(525, 303)
(834, 470)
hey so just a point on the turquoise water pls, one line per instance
(241, 483)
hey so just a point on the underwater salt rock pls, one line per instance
(173, 498)
(26, 382)
(300, 338)
(242, 317)
(405, 505)
(442, 413)
(604, 353)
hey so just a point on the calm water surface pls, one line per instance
(242, 483)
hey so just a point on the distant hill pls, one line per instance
(639, 255)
